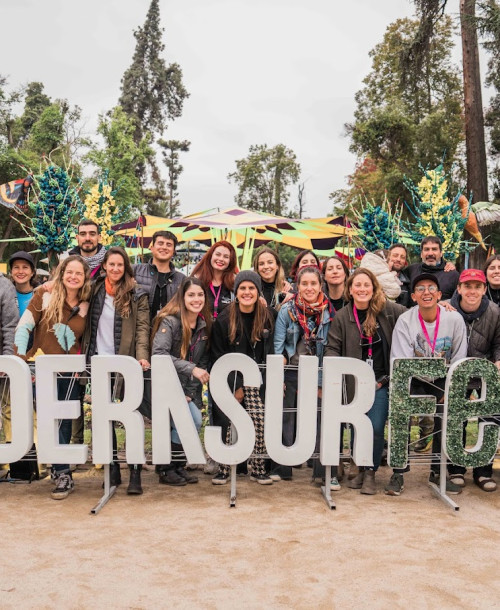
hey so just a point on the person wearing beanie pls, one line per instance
(246, 326)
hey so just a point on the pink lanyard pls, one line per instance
(216, 297)
(426, 334)
(369, 339)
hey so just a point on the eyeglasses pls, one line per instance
(421, 289)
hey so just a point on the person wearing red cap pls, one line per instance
(482, 320)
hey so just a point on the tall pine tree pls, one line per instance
(152, 93)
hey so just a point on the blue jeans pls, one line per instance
(67, 389)
(378, 416)
(195, 414)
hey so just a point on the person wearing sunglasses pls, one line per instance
(428, 331)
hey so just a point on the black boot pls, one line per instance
(182, 472)
(169, 476)
(134, 486)
(115, 475)
(180, 463)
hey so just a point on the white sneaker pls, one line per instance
(334, 484)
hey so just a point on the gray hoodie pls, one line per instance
(9, 316)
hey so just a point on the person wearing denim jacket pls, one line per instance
(301, 329)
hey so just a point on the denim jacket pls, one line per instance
(287, 334)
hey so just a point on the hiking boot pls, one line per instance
(114, 474)
(451, 488)
(134, 487)
(171, 477)
(369, 488)
(262, 479)
(395, 486)
(182, 472)
(357, 481)
(423, 445)
(221, 478)
(64, 486)
(353, 470)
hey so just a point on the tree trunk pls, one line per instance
(477, 172)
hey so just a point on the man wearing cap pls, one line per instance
(428, 331)
(482, 321)
(431, 253)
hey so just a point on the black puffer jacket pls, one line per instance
(483, 329)
(146, 275)
(168, 341)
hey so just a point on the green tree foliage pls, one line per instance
(263, 178)
(402, 120)
(152, 92)
(170, 153)
(121, 156)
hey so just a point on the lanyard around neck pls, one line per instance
(216, 298)
(426, 334)
(369, 339)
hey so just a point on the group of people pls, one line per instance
(97, 302)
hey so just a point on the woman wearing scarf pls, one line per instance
(363, 330)
(301, 330)
(118, 323)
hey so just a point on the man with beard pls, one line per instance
(431, 253)
(89, 246)
(398, 260)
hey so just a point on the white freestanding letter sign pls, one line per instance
(105, 411)
(223, 396)
(168, 399)
(50, 410)
(21, 400)
(333, 412)
(307, 411)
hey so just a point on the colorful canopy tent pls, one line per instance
(246, 229)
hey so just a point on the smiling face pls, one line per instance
(334, 273)
(162, 250)
(247, 295)
(426, 295)
(267, 267)
(309, 287)
(361, 291)
(88, 239)
(220, 258)
(21, 272)
(472, 293)
(194, 299)
(431, 254)
(74, 276)
(493, 274)
(397, 259)
(308, 260)
(115, 268)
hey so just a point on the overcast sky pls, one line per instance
(258, 72)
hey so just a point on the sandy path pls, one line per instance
(280, 548)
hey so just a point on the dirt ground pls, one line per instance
(281, 547)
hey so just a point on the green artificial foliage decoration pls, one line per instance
(402, 405)
(460, 408)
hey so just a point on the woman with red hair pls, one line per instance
(216, 271)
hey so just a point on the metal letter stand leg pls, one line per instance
(441, 490)
(108, 491)
(325, 489)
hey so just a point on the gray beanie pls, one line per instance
(248, 276)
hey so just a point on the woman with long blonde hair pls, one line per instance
(56, 319)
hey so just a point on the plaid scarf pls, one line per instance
(309, 316)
